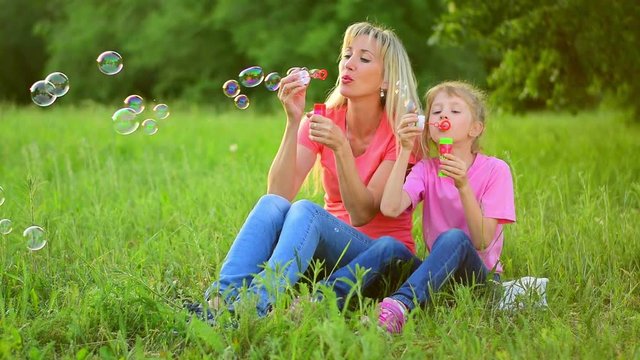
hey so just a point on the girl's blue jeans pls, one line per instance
(276, 245)
(452, 256)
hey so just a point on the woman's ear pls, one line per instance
(476, 129)
(385, 85)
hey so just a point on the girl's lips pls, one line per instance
(347, 79)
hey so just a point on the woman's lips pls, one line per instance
(347, 79)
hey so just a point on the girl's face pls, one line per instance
(361, 69)
(463, 127)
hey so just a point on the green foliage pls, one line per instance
(22, 52)
(187, 49)
(137, 223)
(562, 54)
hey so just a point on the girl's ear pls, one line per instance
(476, 129)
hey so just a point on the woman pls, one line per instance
(357, 150)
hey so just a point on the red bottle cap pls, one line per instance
(320, 109)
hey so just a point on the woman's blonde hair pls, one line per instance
(397, 70)
(472, 96)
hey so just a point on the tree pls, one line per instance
(563, 54)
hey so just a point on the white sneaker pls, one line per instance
(521, 292)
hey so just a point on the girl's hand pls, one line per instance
(408, 130)
(324, 131)
(292, 93)
(455, 168)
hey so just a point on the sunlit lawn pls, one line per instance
(137, 223)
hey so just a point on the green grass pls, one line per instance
(136, 223)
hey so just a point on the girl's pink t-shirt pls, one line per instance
(490, 179)
(381, 148)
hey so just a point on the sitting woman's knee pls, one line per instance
(304, 205)
(274, 200)
(390, 244)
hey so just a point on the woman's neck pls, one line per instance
(362, 118)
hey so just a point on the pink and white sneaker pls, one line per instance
(392, 315)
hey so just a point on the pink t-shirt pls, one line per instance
(381, 148)
(490, 179)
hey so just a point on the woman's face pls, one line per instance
(361, 69)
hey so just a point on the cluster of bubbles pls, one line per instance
(45, 92)
(35, 235)
(254, 76)
(125, 120)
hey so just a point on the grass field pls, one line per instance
(136, 223)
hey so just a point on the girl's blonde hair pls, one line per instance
(472, 96)
(397, 70)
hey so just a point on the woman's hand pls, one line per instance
(455, 168)
(408, 130)
(324, 131)
(292, 93)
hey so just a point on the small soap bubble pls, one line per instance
(149, 126)
(36, 237)
(41, 93)
(5, 226)
(161, 111)
(292, 70)
(231, 88)
(251, 76)
(410, 106)
(109, 62)
(1, 195)
(135, 103)
(242, 102)
(60, 83)
(124, 121)
(272, 81)
(304, 76)
(233, 148)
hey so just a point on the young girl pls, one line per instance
(463, 213)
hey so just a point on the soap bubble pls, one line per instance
(124, 121)
(161, 111)
(231, 88)
(149, 126)
(5, 226)
(251, 76)
(35, 236)
(135, 103)
(60, 83)
(109, 62)
(1, 195)
(242, 102)
(41, 93)
(272, 81)
(304, 76)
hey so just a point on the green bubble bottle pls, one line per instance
(445, 146)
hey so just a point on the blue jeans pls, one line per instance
(285, 237)
(452, 255)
